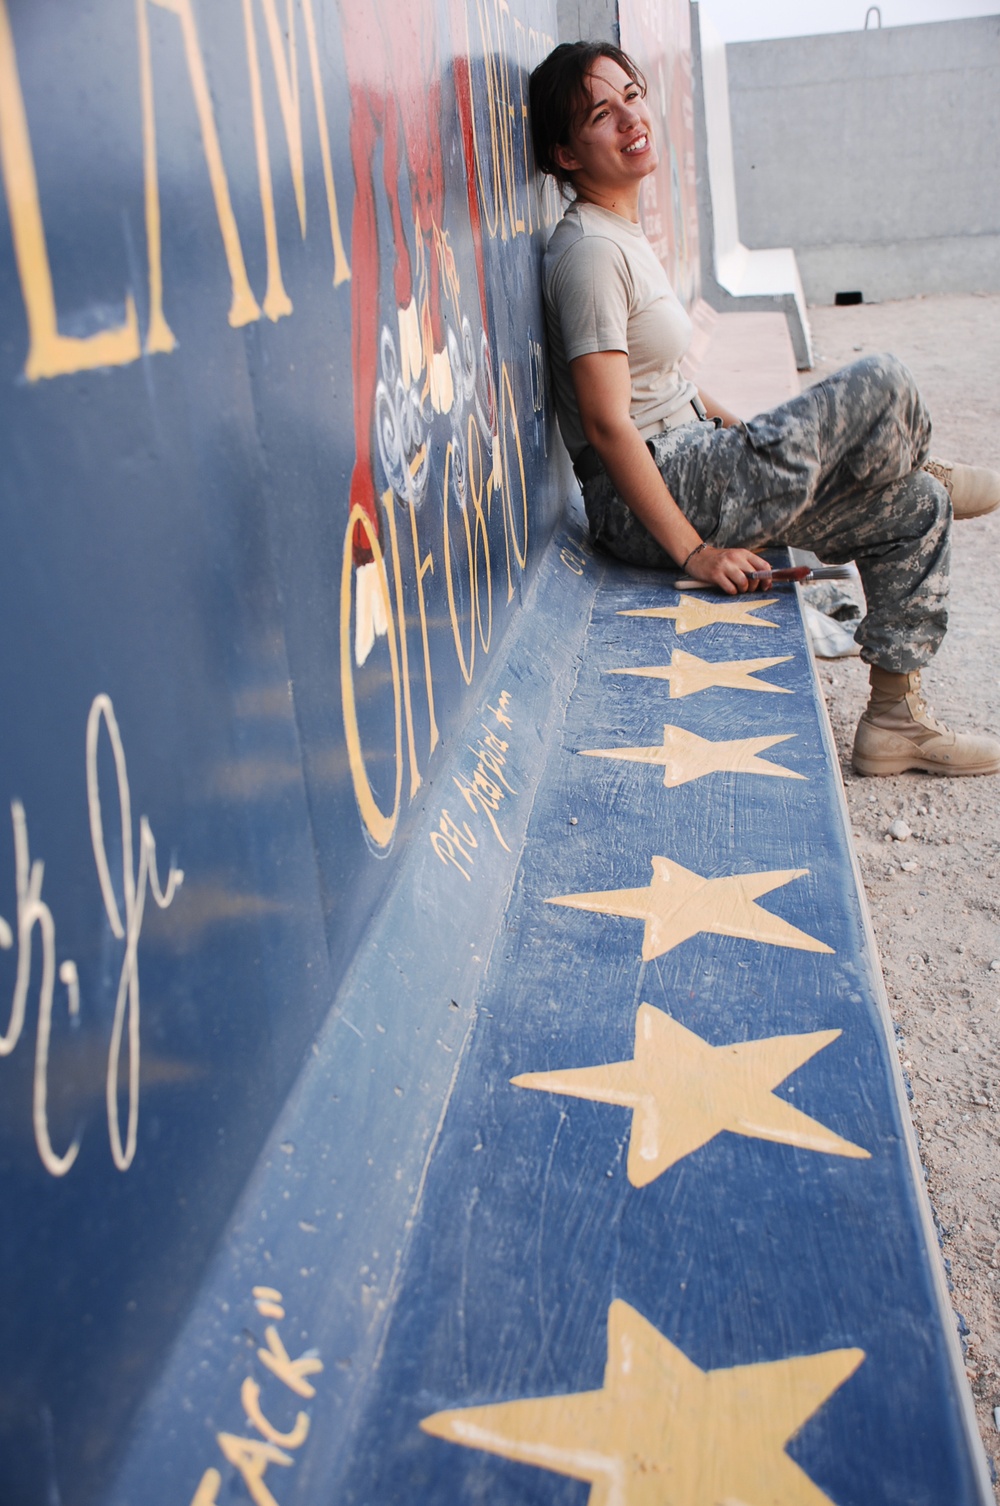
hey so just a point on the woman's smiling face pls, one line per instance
(611, 147)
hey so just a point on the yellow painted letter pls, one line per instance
(244, 308)
(251, 1458)
(50, 354)
(379, 825)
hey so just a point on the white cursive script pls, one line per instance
(32, 911)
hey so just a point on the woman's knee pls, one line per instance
(900, 382)
(893, 373)
(892, 392)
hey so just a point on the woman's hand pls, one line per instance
(726, 569)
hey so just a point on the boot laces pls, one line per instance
(921, 712)
(941, 471)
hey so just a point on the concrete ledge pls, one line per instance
(745, 360)
(466, 1216)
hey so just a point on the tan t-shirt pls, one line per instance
(605, 289)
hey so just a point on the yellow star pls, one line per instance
(683, 1092)
(687, 674)
(696, 612)
(686, 756)
(661, 1431)
(678, 904)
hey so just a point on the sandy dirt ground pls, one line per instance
(935, 896)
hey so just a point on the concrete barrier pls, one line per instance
(873, 154)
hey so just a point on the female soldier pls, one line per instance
(670, 478)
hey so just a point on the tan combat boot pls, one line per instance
(974, 489)
(897, 732)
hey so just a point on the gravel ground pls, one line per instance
(935, 896)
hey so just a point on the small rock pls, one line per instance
(899, 832)
(910, 866)
(572, 820)
(995, 965)
(910, 910)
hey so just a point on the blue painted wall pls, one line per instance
(278, 458)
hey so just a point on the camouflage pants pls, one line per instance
(836, 470)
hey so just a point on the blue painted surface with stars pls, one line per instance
(465, 1238)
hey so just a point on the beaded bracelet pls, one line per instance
(696, 550)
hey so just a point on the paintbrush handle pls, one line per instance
(791, 572)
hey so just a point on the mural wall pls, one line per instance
(278, 456)
(299, 861)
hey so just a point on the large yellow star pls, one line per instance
(686, 756)
(683, 1092)
(697, 612)
(687, 674)
(678, 904)
(661, 1431)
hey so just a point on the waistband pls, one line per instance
(588, 463)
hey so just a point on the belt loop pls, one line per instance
(699, 406)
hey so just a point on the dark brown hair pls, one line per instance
(558, 95)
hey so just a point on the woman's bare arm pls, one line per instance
(603, 392)
(716, 410)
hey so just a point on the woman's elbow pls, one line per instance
(606, 432)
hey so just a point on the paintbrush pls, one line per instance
(800, 573)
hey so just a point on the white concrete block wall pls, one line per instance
(875, 155)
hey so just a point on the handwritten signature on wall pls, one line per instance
(139, 877)
(483, 789)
